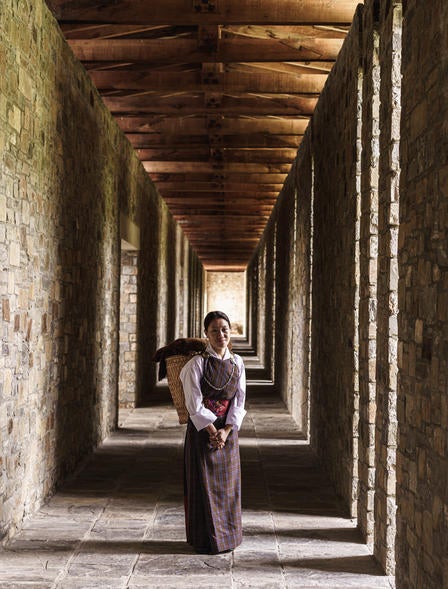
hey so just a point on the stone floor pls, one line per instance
(119, 522)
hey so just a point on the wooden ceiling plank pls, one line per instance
(182, 12)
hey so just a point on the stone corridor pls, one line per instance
(118, 522)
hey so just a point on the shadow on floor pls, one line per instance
(119, 521)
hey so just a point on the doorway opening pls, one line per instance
(226, 291)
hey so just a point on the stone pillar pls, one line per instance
(271, 293)
(387, 290)
(335, 150)
(128, 329)
(368, 270)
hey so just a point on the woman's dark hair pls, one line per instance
(215, 315)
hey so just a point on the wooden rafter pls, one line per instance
(183, 12)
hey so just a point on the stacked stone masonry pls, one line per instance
(66, 174)
(335, 279)
(368, 266)
(128, 329)
(387, 286)
(378, 387)
(422, 469)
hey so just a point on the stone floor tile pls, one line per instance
(27, 585)
(92, 583)
(174, 581)
(183, 564)
(34, 567)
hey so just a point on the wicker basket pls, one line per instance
(174, 365)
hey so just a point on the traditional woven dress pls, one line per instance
(213, 476)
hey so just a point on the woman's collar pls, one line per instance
(212, 352)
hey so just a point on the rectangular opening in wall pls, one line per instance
(226, 291)
(128, 326)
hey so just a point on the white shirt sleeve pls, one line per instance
(190, 375)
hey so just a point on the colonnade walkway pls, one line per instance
(118, 523)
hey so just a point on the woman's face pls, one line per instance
(218, 333)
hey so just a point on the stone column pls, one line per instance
(368, 270)
(387, 290)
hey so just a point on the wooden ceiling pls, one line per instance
(215, 96)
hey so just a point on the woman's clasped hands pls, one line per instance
(217, 438)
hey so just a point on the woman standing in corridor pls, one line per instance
(215, 389)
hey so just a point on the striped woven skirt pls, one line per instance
(212, 492)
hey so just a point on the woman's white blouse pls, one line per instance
(191, 375)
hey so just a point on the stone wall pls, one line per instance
(66, 173)
(422, 469)
(335, 279)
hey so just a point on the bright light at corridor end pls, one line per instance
(226, 291)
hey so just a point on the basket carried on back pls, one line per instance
(173, 358)
(174, 365)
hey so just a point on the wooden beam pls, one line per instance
(240, 243)
(169, 51)
(203, 154)
(286, 33)
(201, 202)
(224, 197)
(196, 82)
(218, 176)
(110, 31)
(202, 211)
(291, 68)
(145, 140)
(238, 103)
(214, 125)
(216, 187)
(186, 12)
(213, 168)
(241, 246)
